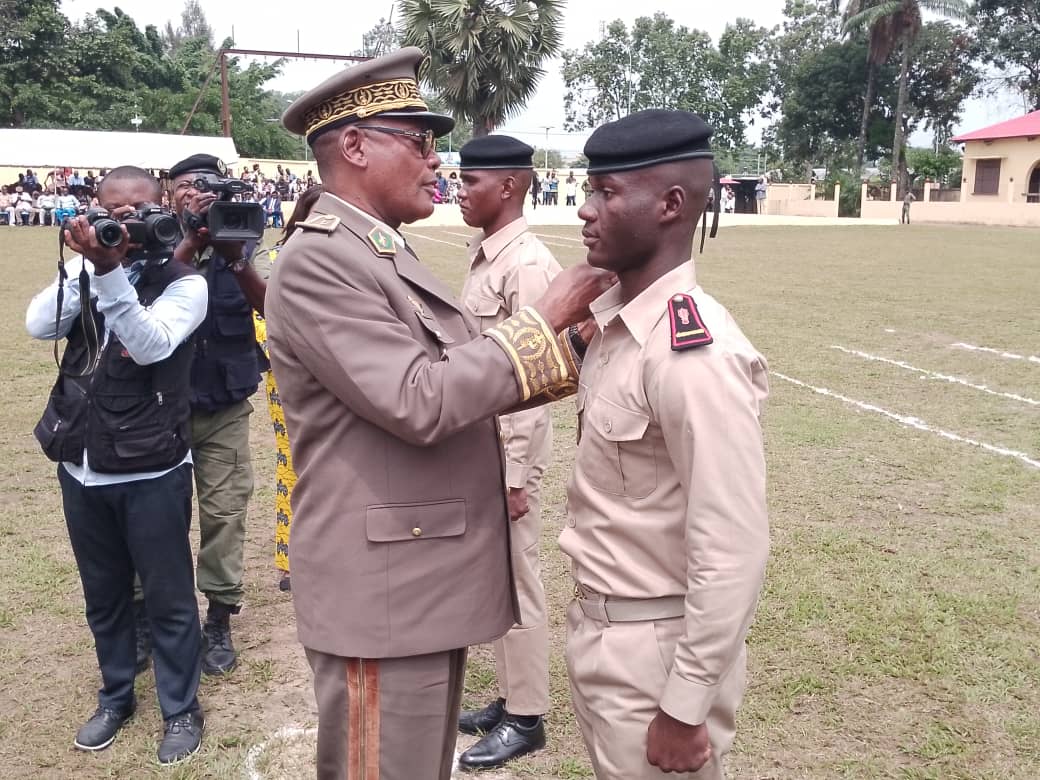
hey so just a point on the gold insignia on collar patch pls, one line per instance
(382, 242)
(324, 223)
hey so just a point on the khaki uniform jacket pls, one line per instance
(400, 542)
(668, 493)
(509, 270)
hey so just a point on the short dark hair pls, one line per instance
(131, 172)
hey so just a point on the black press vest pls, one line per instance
(227, 363)
(129, 418)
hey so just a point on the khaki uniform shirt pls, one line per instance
(668, 494)
(509, 270)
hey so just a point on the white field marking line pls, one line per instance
(1000, 353)
(935, 375)
(560, 238)
(467, 236)
(428, 238)
(284, 733)
(912, 422)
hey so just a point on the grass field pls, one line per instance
(899, 631)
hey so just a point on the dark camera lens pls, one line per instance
(162, 228)
(109, 232)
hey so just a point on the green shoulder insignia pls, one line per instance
(687, 327)
(382, 242)
(324, 223)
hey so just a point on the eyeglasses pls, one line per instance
(426, 138)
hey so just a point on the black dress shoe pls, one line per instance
(218, 654)
(182, 737)
(478, 722)
(142, 637)
(100, 731)
(508, 740)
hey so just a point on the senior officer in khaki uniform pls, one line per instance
(509, 269)
(400, 550)
(666, 516)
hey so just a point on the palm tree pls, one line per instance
(893, 24)
(486, 56)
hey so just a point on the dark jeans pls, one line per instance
(142, 526)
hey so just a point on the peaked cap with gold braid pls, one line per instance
(385, 86)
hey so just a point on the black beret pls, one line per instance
(199, 163)
(647, 138)
(495, 152)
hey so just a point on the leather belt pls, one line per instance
(610, 609)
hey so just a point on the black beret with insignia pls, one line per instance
(495, 152)
(199, 163)
(646, 138)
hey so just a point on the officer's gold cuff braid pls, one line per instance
(543, 366)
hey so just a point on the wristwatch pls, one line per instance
(577, 342)
(238, 266)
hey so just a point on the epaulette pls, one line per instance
(324, 223)
(687, 327)
(382, 242)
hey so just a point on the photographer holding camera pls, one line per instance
(117, 422)
(218, 240)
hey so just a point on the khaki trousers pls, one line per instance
(618, 673)
(522, 655)
(387, 718)
(224, 484)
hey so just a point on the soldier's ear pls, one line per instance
(508, 187)
(672, 203)
(352, 146)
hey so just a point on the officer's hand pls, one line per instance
(81, 237)
(195, 210)
(516, 498)
(567, 299)
(674, 746)
(587, 328)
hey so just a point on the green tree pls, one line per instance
(462, 132)
(944, 74)
(33, 35)
(1009, 31)
(486, 56)
(555, 159)
(663, 65)
(896, 24)
(941, 166)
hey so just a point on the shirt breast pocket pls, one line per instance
(486, 309)
(621, 459)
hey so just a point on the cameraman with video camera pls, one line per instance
(219, 237)
(117, 422)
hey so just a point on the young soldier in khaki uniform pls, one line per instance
(666, 521)
(400, 545)
(510, 269)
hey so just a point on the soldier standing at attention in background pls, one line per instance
(509, 269)
(400, 540)
(666, 508)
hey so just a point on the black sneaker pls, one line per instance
(478, 722)
(142, 637)
(100, 731)
(218, 654)
(182, 737)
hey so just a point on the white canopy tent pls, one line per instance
(94, 149)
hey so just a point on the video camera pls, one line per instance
(154, 228)
(227, 220)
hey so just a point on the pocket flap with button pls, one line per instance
(434, 327)
(409, 522)
(484, 306)
(616, 423)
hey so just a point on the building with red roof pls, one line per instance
(1002, 161)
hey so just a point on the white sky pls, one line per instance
(337, 27)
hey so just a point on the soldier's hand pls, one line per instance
(674, 746)
(81, 237)
(567, 299)
(516, 498)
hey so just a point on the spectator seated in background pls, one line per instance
(6, 207)
(272, 204)
(67, 205)
(23, 207)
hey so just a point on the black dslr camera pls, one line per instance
(227, 220)
(154, 228)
